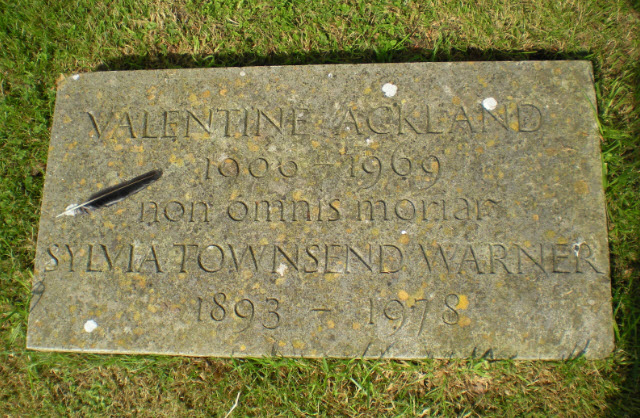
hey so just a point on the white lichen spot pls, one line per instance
(90, 325)
(242, 73)
(75, 76)
(489, 103)
(369, 141)
(577, 245)
(404, 232)
(390, 90)
(330, 75)
(281, 269)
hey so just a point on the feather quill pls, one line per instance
(114, 194)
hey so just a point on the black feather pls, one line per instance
(114, 194)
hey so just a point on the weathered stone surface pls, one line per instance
(416, 210)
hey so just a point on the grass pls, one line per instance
(42, 39)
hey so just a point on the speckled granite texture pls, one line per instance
(385, 210)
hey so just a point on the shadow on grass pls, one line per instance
(626, 286)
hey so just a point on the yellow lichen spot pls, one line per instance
(456, 100)
(66, 119)
(527, 244)
(175, 160)
(550, 234)
(254, 147)
(243, 347)
(234, 194)
(282, 343)
(535, 217)
(331, 324)
(403, 295)
(514, 125)
(343, 151)
(480, 150)
(109, 225)
(223, 92)
(298, 344)
(280, 281)
(264, 241)
(491, 143)
(315, 144)
(562, 240)
(152, 308)
(193, 98)
(72, 308)
(83, 182)
(447, 151)
(367, 90)
(206, 94)
(297, 195)
(581, 187)
(136, 316)
(404, 239)
(557, 71)
(482, 81)
(464, 321)
(99, 185)
(463, 302)
(356, 326)
(459, 189)
(330, 276)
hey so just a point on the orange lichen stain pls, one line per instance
(581, 187)
(331, 324)
(315, 144)
(223, 92)
(404, 239)
(463, 302)
(137, 148)
(99, 185)
(557, 71)
(206, 94)
(72, 145)
(140, 281)
(403, 295)
(535, 217)
(118, 147)
(480, 150)
(356, 326)
(464, 321)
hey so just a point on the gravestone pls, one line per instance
(385, 210)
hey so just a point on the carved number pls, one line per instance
(245, 310)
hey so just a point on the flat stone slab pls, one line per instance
(385, 210)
